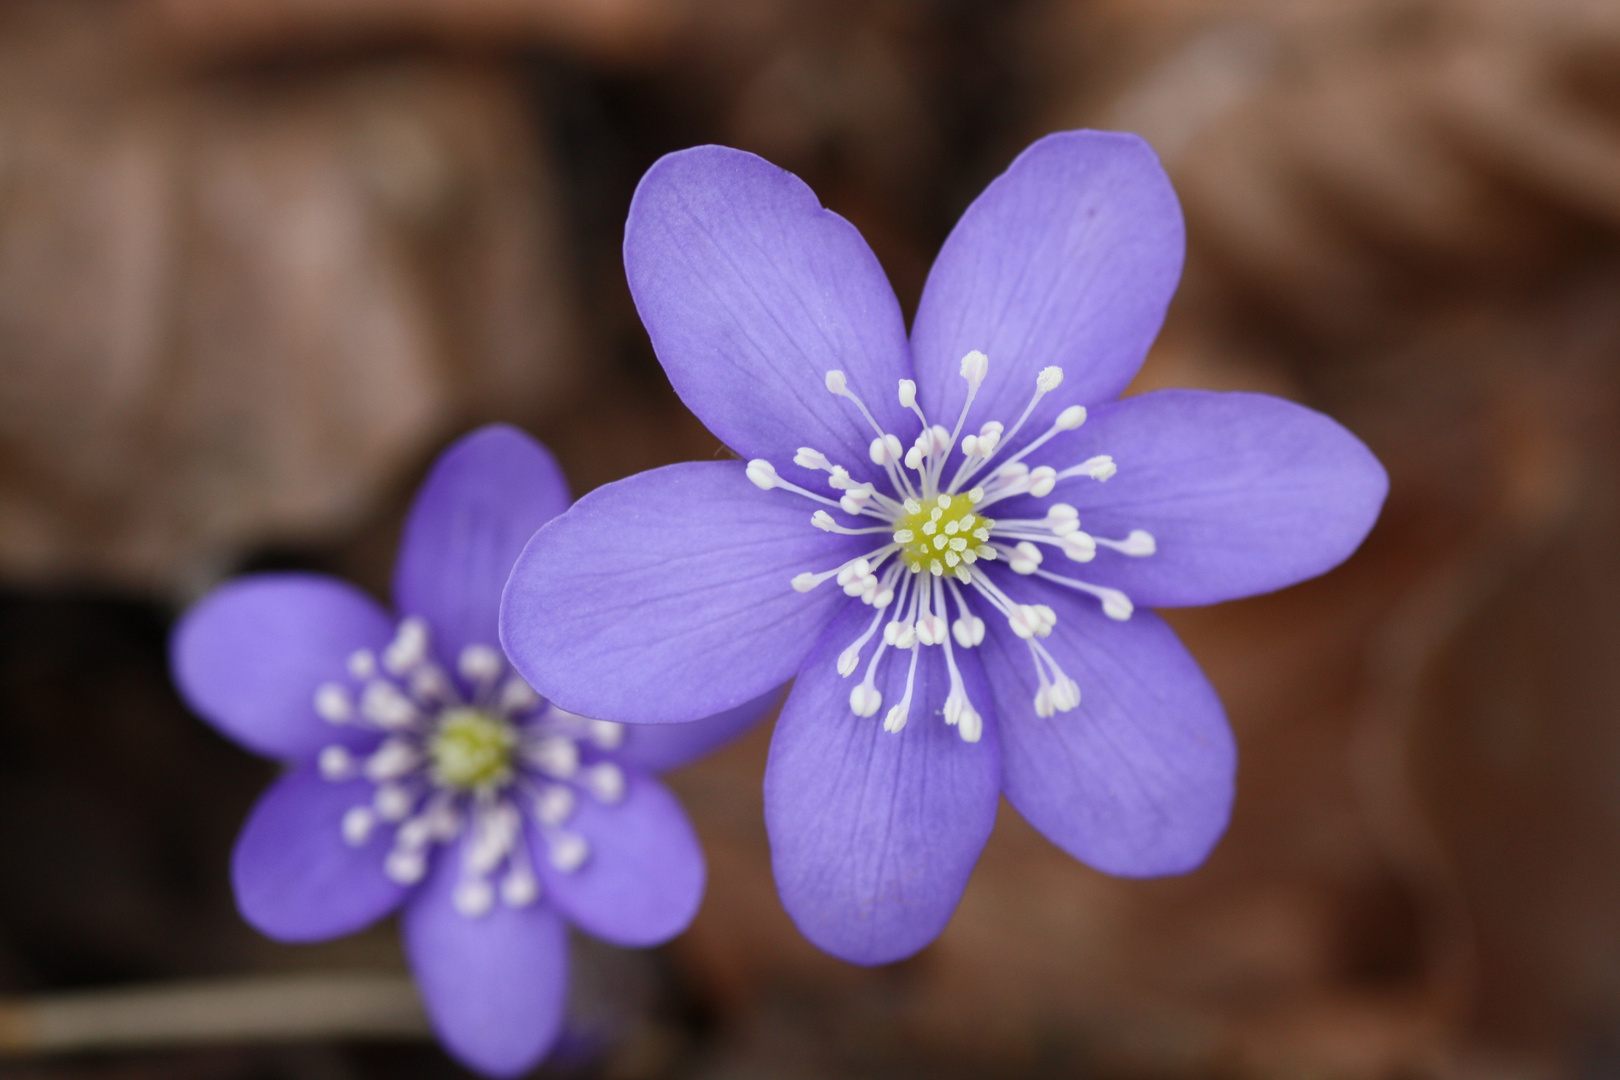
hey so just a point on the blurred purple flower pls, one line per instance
(426, 775)
(942, 652)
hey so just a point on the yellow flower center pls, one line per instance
(472, 749)
(937, 534)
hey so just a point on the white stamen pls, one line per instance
(865, 699)
(554, 755)
(837, 383)
(409, 647)
(555, 804)
(1025, 558)
(517, 697)
(1070, 418)
(480, 663)
(473, 897)
(1042, 479)
(975, 365)
(762, 473)
(1049, 379)
(332, 704)
(1138, 544)
(383, 704)
(392, 802)
(519, 888)
(358, 822)
(568, 851)
(1100, 467)
(392, 760)
(605, 781)
(430, 686)
(496, 830)
(362, 663)
(1062, 519)
(908, 393)
(336, 763)
(885, 450)
(405, 866)
(607, 734)
(810, 458)
(1079, 546)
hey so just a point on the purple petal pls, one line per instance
(873, 833)
(1070, 258)
(642, 880)
(668, 596)
(296, 877)
(751, 293)
(1137, 780)
(249, 656)
(661, 747)
(495, 985)
(1243, 494)
(484, 498)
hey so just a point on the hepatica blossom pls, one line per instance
(425, 775)
(948, 540)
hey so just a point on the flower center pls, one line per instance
(941, 534)
(472, 749)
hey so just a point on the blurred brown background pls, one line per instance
(260, 259)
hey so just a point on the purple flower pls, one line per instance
(960, 609)
(425, 775)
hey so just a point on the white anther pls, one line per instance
(1100, 467)
(1026, 622)
(941, 438)
(568, 851)
(1079, 546)
(975, 365)
(393, 759)
(1062, 519)
(416, 832)
(429, 685)
(1012, 472)
(1070, 418)
(554, 805)
(880, 599)
(838, 478)
(931, 629)
(1138, 543)
(896, 718)
(864, 699)
(900, 634)
(971, 725)
(362, 663)
(762, 473)
(1046, 619)
(848, 660)
(518, 696)
(607, 734)
(1026, 558)
(908, 393)
(823, 521)
(1042, 479)
(605, 781)
(480, 663)
(810, 458)
(392, 802)
(497, 830)
(836, 381)
(1049, 379)
(409, 647)
(405, 866)
(968, 631)
(805, 582)
(332, 703)
(336, 763)
(1115, 604)
(856, 571)
(1065, 694)
(989, 439)
(1043, 701)
(358, 821)
(554, 755)
(519, 888)
(914, 458)
(886, 450)
(473, 897)
(855, 500)
(384, 705)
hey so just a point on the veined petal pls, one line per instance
(495, 985)
(668, 597)
(483, 499)
(1138, 779)
(1243, 494)
(250, 655)
(296, 877)
(751, 293)
(661, 747)
(642, 880)
(874, 833)
(1069, 258)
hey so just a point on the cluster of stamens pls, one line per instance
(483, 753)
(935, 534)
